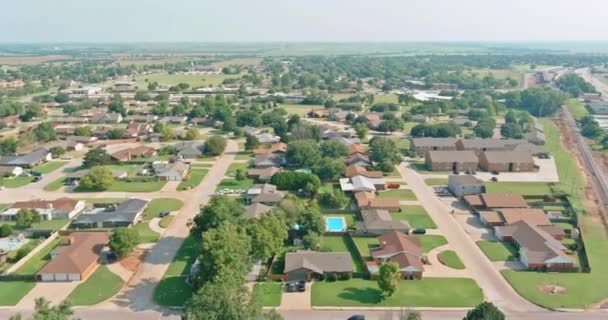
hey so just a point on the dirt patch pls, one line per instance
(551, 289)
(133, 260)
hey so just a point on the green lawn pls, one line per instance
(235, 166)
(421, 168)
(123, 186)
(100, 286)
(49, 166)
(54, 224)
(159, 205)
(244, 155)
(166, 221)
(364, 244)
(194, 80)
(15, 182)
(436, 181)
(497, 250)
(234, 184)
(55, 185)
(172, 290)
(431, 241)
(386, 98)
(13, 291)
(39, 259)
(450, 258)
(268, 293)
(407, 127)
(401, 194)
(429, 292)
(577, 108)
(194, 179)
(342, 244)
(146, 235)
(416, 216)
(525, 188)
(299, 109)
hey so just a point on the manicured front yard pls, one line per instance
(429, 292)
(172, 290)
(194, 179)
(235, 184)
(15, 182)
(401, 194)
(431, 241)
(55, 185)
(100, 286)
(436, 181)
(146, 235)
(49, 166)
(12, 292)
(159, 205)
(342, 244)
(450, 258)
(235, 166)
(268, 293)
(497, 250)
(525, 188)
(148, 186)
(416, 217)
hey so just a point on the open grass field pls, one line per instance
(401, 194)
(525, 188)
(15, 182)
(342, 244)
(194, 80)
(13, 291)
(577, 108)
(429, 292)
(235, 184)
(172, 290)
(100, 286)
(268, 293)
(450, 258)
(416, 217)
(497, 250)
(386, 98)
(513, 73)
(239, 61)
(194, 179)
(299, 109)
(49, 166)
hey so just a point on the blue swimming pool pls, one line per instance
(335, 224)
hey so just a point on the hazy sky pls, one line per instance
(302, 20)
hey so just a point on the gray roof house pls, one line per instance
(462, 185)
(125, 214)
(170, 171)
(264, 193)
(105, 117)
(256, 210)
(268, 160)
(265, 138)
(27, 160)
(379, 221)
(305, 265)
(189, 150)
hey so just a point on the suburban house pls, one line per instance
(264, 193)
(124, 86)
(592, 96)
(147, 118)
(262, 174)
(308, 265)
(9, 121)
(135, 129)
(170, 171)
(356, 170)
(506, 161)
(267, 160)
(61, 208)
(359, 159)
(267, 138)
(106, 117)
(27, 160)
(77, 175)
(256, 210)
(278, 148)
(495, 200)
(367, 200)
(10, 171)
(77, 258)
(344, 140)
(402, 249)
(481, 145)
(318, 113)
(462, 185)
(539, 250)
(441, 160)
(81, 139)
(422, 145)
(508, 216)
(133, 153)
(71, 120)
(250, 131)
(356, 148)
(362, 183)
(173, 119)
(379, 221)
(189, 150)
(126, 214)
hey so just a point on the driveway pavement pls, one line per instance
(55, 292)
(296, 300)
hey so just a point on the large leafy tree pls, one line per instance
(383, 149)
(485, 311)
(98, 179)
(303, 153)
(96, 157)
(268, 234)
(329, 168)
(251, 142)
(43, 310)
(312, 221)
(124, 240)
(215, 145)
(389, 277)
(225, 252)
(333, 149)
(26, 217)
(219, 210)
(45, 132)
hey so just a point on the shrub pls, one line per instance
(346, 276)
(5, 230)
(331, 277)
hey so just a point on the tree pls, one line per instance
(215, 145)
(96, 157)
(5, 230)
(167, 133)
(294, 181)
(224, 252)
(267, 233)
(44, 311)
(33, 111)
(384, 149)
(117, 107)
(361, 130)
(485, 311)
(8, 146)
(389, 277)
(333, 149)
(192, 134)
(219, 210)
(329, 168)
(115, 133)
(240, 174)
(302, 153)
(335, 199)
(26, 217)
(311, 240)
(511, 130)
(44, 132)
(97, 179)
(142, 95)
(222, 300)
(391, 125)
(83, 131)
(251, 142)
(124, 240)
(62, 97)
(57, 151)
(312, 221)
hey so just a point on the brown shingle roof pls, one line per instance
(354, 170)
(400, 248)
(452, 156)
(79, 255)
(356, 148)
(503, 200)
(536, 217)
(65, 204)
(318, 262)
(510, 156)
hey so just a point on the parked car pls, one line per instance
(494, 179)
(301, 285)
(163, 214)
(495, 173)
(356, 317)
(419, 231)
(66, 157)
(291, 287)
(37, 178)
(35, 174)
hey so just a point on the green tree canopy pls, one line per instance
(389, 277)
(124, 240)
(219, 210)
(96, 157)
(97, 179)
(215, 145)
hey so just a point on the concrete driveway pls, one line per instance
(296, 300)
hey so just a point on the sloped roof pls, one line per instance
(256, 210)
(318, 262)
(452, 156)
(354, 170)
(537, 245)
(503, 200)
(511, 156)
(379, 219)
(400, 248)
(79, 255)
(64, 204)
(536, 217)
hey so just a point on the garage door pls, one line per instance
(74, 277)
(61, 277)
(47, 277)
